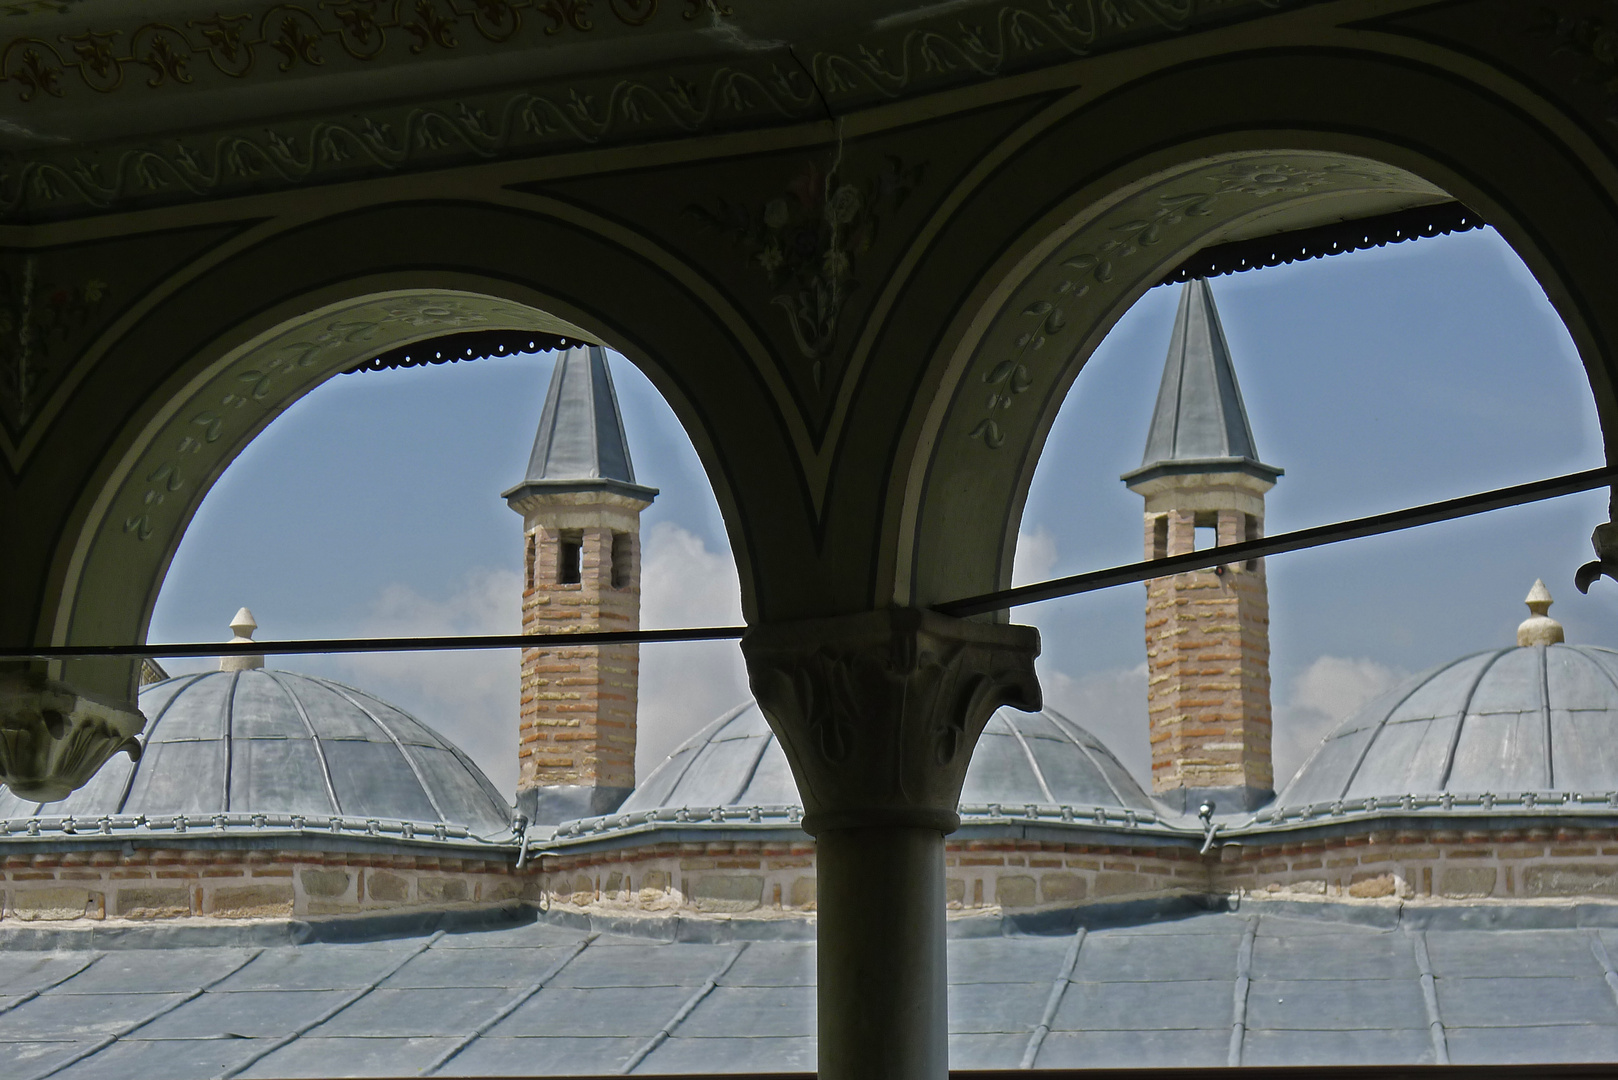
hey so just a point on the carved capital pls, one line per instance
(879, 712)
(53, 738)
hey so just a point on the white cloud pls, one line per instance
(1318, 699)
(684, 687)
(1035, 557)
(1111, 705)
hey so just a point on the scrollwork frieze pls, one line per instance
(289, 37)
(998, 39)
(463, 130)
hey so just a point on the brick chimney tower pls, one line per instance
(1207, 632)
(581, 572)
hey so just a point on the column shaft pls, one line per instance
(883, 988)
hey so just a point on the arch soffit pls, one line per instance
(1022, 332)
(255, 365)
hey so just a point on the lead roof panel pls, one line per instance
(1322, 991)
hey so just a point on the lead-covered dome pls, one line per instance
(1022, 759)
(275, 743)
(1536, 718)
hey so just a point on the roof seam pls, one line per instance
(1238, 1003)
(314, 737)
(53, 984)
(1429, 997)
(1027, 751)
(151, 729)
(129, 1029)
(1460, 719)
(511, 1006)
(1545, 712)
(684, 1011)
(1059, 985)
(415, 769)
(1599, 947)
(297, 1032)
(230, 757)
(717, 726)
(1062, 725)
(1365, 751)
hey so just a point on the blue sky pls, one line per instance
(1376, 380)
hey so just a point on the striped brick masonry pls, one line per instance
(1207, 646)
(577, 725)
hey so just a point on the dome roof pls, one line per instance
(270, 742)
(1022, 759)
(1535, 718)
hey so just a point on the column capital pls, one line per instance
(54, 738)
(878, 712)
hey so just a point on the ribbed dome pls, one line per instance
(272, 742)
(1023, 758)
(1536, 718)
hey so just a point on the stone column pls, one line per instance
(878, 714)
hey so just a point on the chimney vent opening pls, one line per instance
(569, 557)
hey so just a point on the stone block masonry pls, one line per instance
(162, 884)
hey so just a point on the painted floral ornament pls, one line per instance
(53, 739)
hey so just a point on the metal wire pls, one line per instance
(1320, 535)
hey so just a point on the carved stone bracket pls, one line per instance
(53, 739)
(1605, 541)
(879, 712)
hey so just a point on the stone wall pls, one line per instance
(1530, 864)
(764, 877)
(147, 884)
(719, 877)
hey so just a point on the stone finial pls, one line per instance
(242, 626)
(1539, 628)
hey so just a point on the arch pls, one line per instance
(208, 367)
(1096, 207)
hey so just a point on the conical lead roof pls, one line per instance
(1200, 423)
(581, 445)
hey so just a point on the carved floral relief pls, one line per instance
(807, 242)
(38, 317)
(1138, 228)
